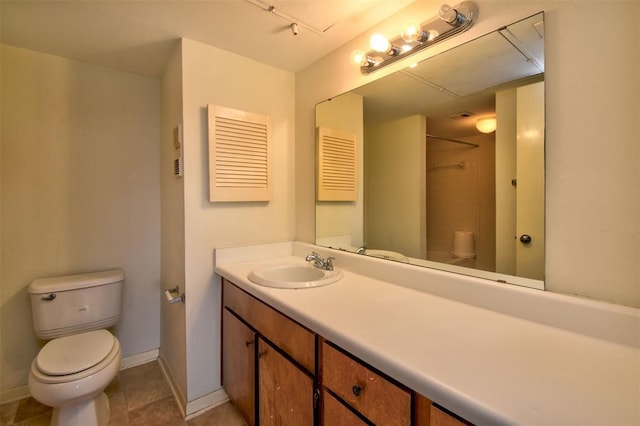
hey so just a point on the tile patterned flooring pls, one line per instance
(139, 396)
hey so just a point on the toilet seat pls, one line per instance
(71, 354)
(74, 357)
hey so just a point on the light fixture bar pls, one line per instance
(451, 21)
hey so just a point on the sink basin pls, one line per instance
(293, 276)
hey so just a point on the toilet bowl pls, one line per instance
(81, 357)
(70, 374)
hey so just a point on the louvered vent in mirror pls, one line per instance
(239, 151)
(336, 165)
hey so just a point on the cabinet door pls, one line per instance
(336, 414)
(238, 364)
(440, 418)
(285, 392)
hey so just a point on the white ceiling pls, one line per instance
(138, 35)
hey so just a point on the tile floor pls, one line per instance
(139, 396)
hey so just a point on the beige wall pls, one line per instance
(211, 75)
(80, 192)
(592, 149)
(173, 348)
(395, 167)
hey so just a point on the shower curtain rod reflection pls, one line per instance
(452, 140)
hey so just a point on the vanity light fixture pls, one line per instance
(415, 37)
(486, 124)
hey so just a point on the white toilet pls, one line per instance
(71, 372)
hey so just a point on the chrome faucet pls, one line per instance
(361, 250)
(319, 262)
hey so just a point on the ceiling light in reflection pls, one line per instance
(486, 124)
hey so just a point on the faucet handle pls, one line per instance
(328, 264)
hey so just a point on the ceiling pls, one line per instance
(139, 35)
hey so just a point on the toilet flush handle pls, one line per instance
(49, 297)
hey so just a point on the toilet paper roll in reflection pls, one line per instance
(463, 246)
(173, 295)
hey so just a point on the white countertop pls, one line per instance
(488, 367)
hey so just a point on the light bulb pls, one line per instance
(448, 14)
(412, 32)
(379, 43)
(358, 57)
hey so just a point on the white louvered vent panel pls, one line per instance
(336, 165)
(241, 154)
(239, 145)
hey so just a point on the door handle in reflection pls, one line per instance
(525, 239)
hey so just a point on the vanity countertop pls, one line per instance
(486, 366)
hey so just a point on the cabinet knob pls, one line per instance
(248, 343)
(356, 390)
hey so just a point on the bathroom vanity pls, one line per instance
(395, 344)
(299, 374)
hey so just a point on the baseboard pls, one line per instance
(173, 384)
(206, 403)
(14, 394)
(22, 392)
(196, 407)
(139, 359)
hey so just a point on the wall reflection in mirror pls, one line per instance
(428, 186)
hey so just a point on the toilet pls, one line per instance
(72, 370)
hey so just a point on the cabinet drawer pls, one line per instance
(375, 397)
(291, 337)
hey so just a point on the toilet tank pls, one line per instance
(72, 304)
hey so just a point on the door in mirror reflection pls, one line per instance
(530, 182)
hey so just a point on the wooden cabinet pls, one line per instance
(285, 391)
(268, 362)
(439, 418)
(238, 364)
(335, 413)
(295, 340)
(369, 393)
(278, 372)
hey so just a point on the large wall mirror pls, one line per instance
(434, 188)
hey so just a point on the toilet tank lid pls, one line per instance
(76, 281)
